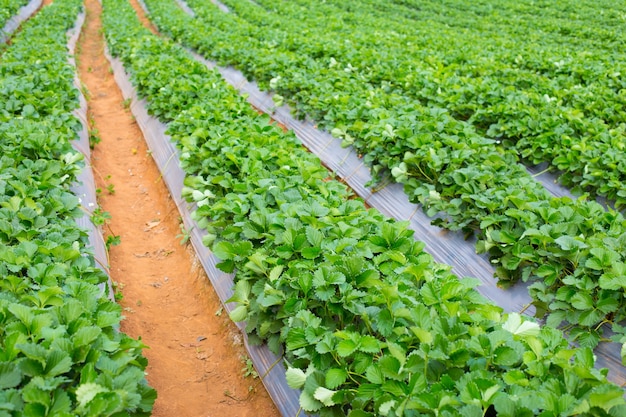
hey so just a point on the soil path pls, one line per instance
(196, 359)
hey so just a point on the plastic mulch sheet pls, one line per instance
(85, 187)
(14, 22)
(190, 12)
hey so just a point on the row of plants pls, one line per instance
(574, 251)
(61, 351)
(8, 8)
(569, 118)
(367, 322)
(567, 22)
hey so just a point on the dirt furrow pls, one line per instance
(197, 363)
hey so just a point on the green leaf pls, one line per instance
(35, 395)
(314, 237)
(325, 396)
(423, 335)
(569, 243)
(58, 363)
(374, 375)
(335, 377)
(506, 356)
(397, 352)
(384, 322)
(86, 335)
(296, 338)
(239, 313)
(582, 301)
(10, 375)
(309, 403)
(594, 263)
(612, 281)
(22, 312)
(295, 378)
(606, 397)
(224, 250)
(241, 293)
(311, 252)
(86, 392)
(369, 344)
(275, 273)
(591, 317)
(346, 347)
(515, 325)
(385, 408)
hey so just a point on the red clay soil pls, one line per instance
(196, 359)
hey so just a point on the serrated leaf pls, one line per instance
(86, 392)
(311, 252)
(612, 281)
(10, 375)
(241, 293)
(314, 237)
(346, 347)
(295, 378)
(423, 335)
(374, 375)
(397, 352)
(385, 408)
(309, 403)
(591, 317)
(223, 250)
(86, 335)
(384, 322)
(32, 394)
(369, 344)
(569, 243)
(588, 339)
(606, 397)
(239, 313)
(22, 312)
(325, 396)
(296, 339)
(515, 325)
(275, 273)
(57, 363)
(335, 377)
(582, 301)
(506, 356)
(594, 263)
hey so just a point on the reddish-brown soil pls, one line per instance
(196, 359)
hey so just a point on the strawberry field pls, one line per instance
(456, 101)
(61, 353)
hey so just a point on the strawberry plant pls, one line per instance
(61, 351)
(368, 323)
(454, 172)
(546, 115)
(8, 8)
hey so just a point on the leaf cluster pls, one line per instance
(443, 161)
(61, 352)
(368, 322)
(8, 8)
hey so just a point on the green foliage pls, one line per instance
(368, 322)
(433, 119)
(9, 8)
(61, 352)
